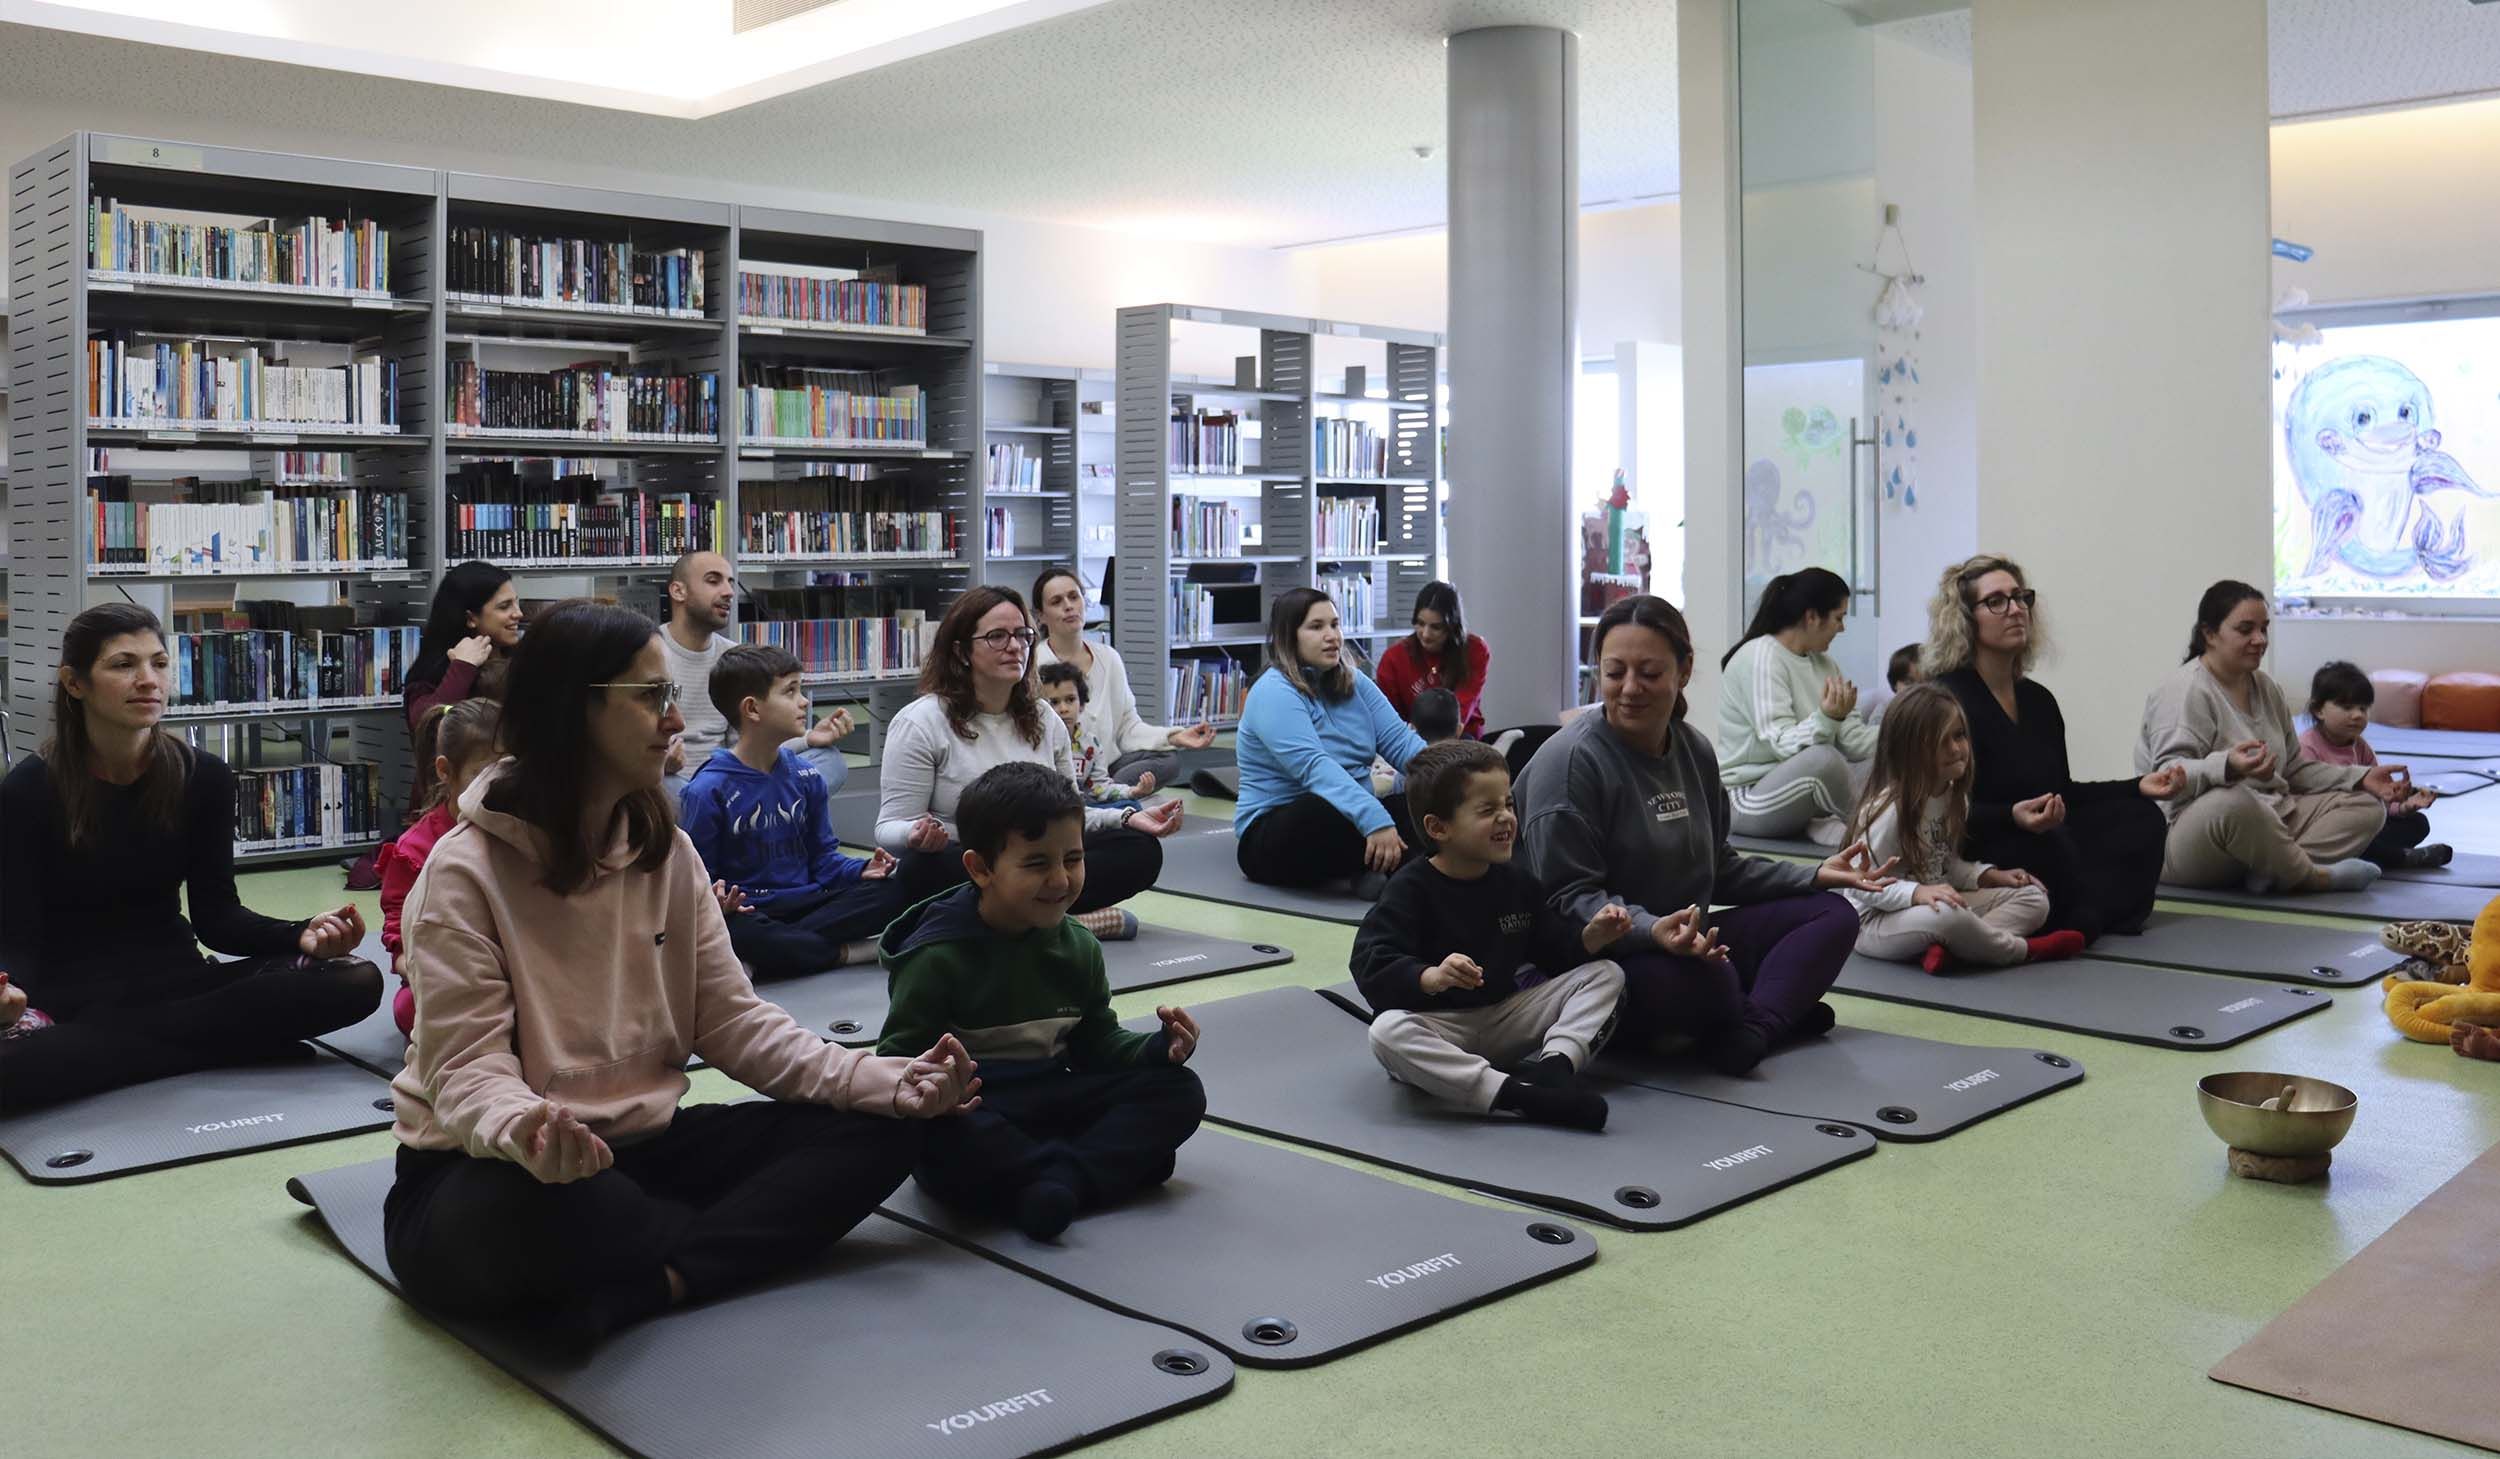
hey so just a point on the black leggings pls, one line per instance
(1119, 863)
(1107, 1135)
(806, 935)
(1308, 842)
(2404, 831)
(231, 1013)
(728, 1194)
(2100, 868)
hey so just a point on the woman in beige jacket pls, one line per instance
(2256, 809)
(568, 957)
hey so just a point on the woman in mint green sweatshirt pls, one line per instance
(1793, 749)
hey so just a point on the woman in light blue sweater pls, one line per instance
(1309, 733)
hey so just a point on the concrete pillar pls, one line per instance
(2124, 406)
(1710, 217)
(1514, 184)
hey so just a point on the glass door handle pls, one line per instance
(1875, 529)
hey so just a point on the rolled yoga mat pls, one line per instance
(2400, 1334)
(2281, 952)
(893, 1343)
(199, 1116)
(1893, 1087)
(2168, 1008)
(1280, 1259)
(1287, 1063)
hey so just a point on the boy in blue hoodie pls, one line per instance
(757, 815)
(1076, 1112)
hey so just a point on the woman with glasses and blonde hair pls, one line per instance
(976, 710)
(2096, 845)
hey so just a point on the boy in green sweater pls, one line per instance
(1077, 1112)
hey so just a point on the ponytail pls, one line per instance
(2212, 609)
(459, 732)
(1787, 599)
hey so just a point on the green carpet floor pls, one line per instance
(2052, 1282)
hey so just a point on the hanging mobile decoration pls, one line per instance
(1897, 316)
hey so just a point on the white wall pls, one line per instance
(2122, 207)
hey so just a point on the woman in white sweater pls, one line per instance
(2257, 809)
(976, 710)
(1136, 748)
(1793, 748)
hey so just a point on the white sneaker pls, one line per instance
(1827, 831)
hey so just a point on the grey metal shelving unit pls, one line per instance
(1278, 384)
(56, 306)
(1044, 410)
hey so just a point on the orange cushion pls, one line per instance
(2397, 697)
(2464, 700)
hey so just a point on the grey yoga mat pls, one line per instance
(1287, 1063)
(1199, 861)
(848, 1005)
(1894, 1087)
(2394, 742)
(1780, 846)
(195, 1117)
(893, 1343)
(2168, 1008)
(1279, 1259)
(2465, 869)
(2388, 899)
(2281, 952)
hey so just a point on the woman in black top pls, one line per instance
(100, 834)
(2095, 844)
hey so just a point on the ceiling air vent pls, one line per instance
(747, 15)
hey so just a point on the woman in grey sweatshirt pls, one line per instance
(1624, 804)
(2257, 809)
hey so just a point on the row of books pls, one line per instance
(348, 255)
(799, 403)
(780, 520)
(862, 646)
(244, 526)
(1205, 441)
(311, 468)
(1348, 524)
(1192, 612)
(492, 512)
(1198, 690)
(1348, 448)
(870, 298)
(298, 807)
(1205, 528)
(592, 402)
(202, 384)
(496, 265)
(1013, 468)
(998, 532)
(287, 670)
(1356, 595)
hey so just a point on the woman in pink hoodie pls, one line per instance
(568, 957)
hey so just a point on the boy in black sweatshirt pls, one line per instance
(1077, 1112)
(1469, 967)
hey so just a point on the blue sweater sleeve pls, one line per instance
(1280, 721)
(698, 814)
(827, 866)
(1392, 737)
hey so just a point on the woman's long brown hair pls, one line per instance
(947, 672)
(1904, 773)
(70, 754)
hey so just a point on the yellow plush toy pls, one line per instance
(2442, 1013)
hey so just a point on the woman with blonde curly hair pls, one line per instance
(2095, 844)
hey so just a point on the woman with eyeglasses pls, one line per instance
(976, 710)
(1310, 730)
(1793, 749)
(1439, 654)
(568, 957)
(2253, 807)
(102, 833)
(1137, 749)
(2094, 844)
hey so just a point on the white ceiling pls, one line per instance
(2331, 55)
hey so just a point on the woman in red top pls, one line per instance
(1439, 654)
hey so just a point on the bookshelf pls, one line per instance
(1052, 424)
(1316, 464)
(522, 323)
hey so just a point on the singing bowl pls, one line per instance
(2320, 1114)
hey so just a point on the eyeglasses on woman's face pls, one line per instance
(999, 640)
(1997, 605)
(657, 695)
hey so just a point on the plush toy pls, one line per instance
(2439, 946)
(2464, 1018)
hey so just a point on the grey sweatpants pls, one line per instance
(1816, 782)
(2226, 836)
(1989, 929)
(1458, 1055)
